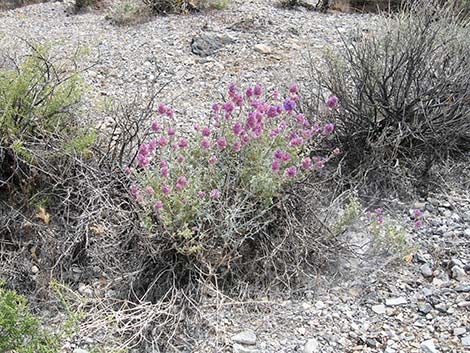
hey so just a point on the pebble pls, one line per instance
(245, 337)
(466, 341)
(426, 270)
(458, 273)
(263, 49)
(80, 350)
(34, 269)
(396, 301)
(311, 346)
(379, 309)
(459, 331)
(428, 347)
(425, 308)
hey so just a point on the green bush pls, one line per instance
(20, 331)
(404, 95)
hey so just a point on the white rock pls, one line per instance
(458, 273)
(428, 347)
(311, 346)
(396, 301)
(79, 350)
(379, 309)
(263, 49)
(34, 269)
(466, 341)
(426, 270)
(245, 337)
(459, 331)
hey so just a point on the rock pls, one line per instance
(85, 290)
(466, 232)
(378, 309)
(79, 350)
(395, 301)
(34, 269)
(466, 341)
(263, 49)
(428, 347)
(238, 348)
(209, 44)
(459, 331)
(426, 270)
(311, 346)
(463, 288)
(464, 304)
(425, 308)
(319, 305)
(458, 273)
(456, 262)
(246, 337)
(419, 205)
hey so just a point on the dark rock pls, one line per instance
(209, 44)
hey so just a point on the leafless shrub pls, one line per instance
(404, 95)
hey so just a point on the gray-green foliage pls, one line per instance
(20, 331)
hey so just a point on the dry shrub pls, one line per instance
(404, 96)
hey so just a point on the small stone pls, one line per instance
(79, 350)
(34, 269)
(463, 288)
(85, 290)
(378, 309)
(428, 346)
(466, 232)
(238, 348)
(459, 331)
(419, 205)
(396, 301)
(458, 273)
(425, 308)
(319, 305)
(464, 304)
(441, 307)
(311, 346)
(263, 49)
(466, 341)
(246, 337)
(426, 270)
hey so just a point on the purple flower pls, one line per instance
(222, 142)
(143, 150)
(180, 158)
(293, 88)
(212, 160)
(296, 141)
(237, 128)
(128, 170)
(152, 145)
(278, 153)
(156, 126)
(201, 194)
(417, 213)
(162, 141)
(162, 108)
(182, 143)
(170, 112)
(134, 190)
(336, 151)
(258, 90)
(272, 111)
(286, 156)
(378, 211)
(166, 189)
(249, 92)
(328, 129)
(196, 127)
(275, 165)
(205, 143)
(163, 164)
(158, 205)
(291, 171)
(171, 131)
(316, 128)
(306, 163)
(215, 107)
(149, 190)
(289, 104)
(332, 102)
(206, 131)
(418, 223)
(164, 172)
(182, 180)
(237, 145)
(142, 161)
(214, 194)
(228, 107)
(319, 163)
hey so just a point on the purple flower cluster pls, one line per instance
(247, 127)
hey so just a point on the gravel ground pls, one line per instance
(372, 305)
